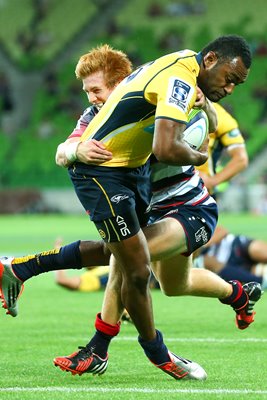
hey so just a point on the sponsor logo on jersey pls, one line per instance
(179, 94)
(119, 197)
(201, 235)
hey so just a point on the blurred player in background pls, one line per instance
(234, 257)
(90, 281)
(227, 138)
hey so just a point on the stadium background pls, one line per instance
(40, 98)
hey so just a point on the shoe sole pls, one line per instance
(73, 372)
(183, 369)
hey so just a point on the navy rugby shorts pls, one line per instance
(198, 221)
(116, 199)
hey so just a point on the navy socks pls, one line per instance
(67, 257)
(155, 349)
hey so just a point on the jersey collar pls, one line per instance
(199, 58)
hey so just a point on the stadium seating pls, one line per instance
(141, 37)
(31, 42)
(21, 17)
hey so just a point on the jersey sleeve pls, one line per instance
(83, 122)
(174, 92)
(228, 132)
(232, 138)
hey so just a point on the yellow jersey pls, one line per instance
(226, 135)
(164, 88)
(94, 279)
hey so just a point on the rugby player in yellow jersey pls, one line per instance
(226, 137)
(224, 64)
(90, 281)
(116, 194)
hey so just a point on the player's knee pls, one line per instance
(94, 253)
(139, 279)
(171, 291)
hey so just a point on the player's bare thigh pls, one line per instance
(165, 238)
(173, 274)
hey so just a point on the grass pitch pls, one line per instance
(53, 321)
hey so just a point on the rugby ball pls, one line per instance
(197, 128)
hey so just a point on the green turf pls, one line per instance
(53, 321)
(30, 233)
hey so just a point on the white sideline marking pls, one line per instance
(131, 390)
(208, 340)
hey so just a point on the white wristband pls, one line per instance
(70, 151)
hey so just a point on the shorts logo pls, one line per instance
(179, 94)
(201, 235)
(102, 233)
(122, 225)
(174, 211)
(119, 197)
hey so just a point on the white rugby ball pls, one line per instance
(197, 128)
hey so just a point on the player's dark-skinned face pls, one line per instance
(218, 79)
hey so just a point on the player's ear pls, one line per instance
(210, 60)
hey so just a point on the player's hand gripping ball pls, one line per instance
(197, 128)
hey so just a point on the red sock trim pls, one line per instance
(241, 298)
(240, 291)
(104, 327)
(238, 295)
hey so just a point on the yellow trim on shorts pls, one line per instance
(107, 230)
(116, 233)
(101, 187)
